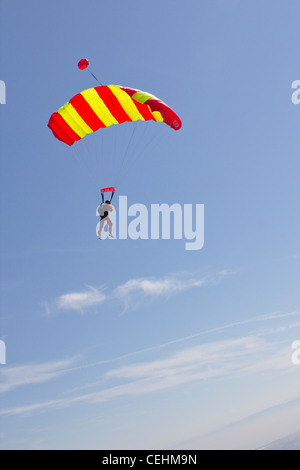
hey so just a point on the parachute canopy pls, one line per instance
(103, 106)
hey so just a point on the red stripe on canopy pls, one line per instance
(86, 112)
(112, 103)
(61, 130)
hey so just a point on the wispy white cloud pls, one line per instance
(155, 287)
(277, 315)
(213, 354)
(132, 292)
(78, 301)
(188, 365)
(244, 356)
(33, 407)
(35, 373)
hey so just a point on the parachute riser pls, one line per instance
(106, 190)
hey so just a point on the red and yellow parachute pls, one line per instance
(103, 106)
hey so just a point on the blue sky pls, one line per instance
(132, 344)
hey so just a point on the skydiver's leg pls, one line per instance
(103, 218)
(102, 222)
(109, 226)
(101, 228)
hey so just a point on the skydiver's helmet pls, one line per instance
(107, 202)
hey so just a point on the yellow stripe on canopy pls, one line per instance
(142, 97)
(157, 116)
(126, 103)
(74, 120)
(98, 106)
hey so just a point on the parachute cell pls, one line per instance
(103, 106)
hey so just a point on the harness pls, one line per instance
(106, 190)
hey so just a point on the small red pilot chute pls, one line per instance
(83, 64)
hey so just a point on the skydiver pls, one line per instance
(103, 211)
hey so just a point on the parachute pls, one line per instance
(94, 110)
(102, 106)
